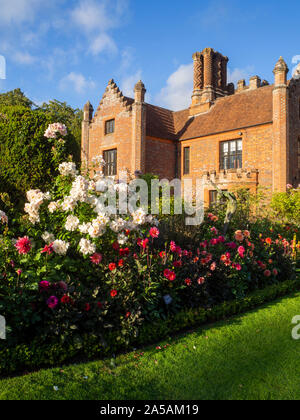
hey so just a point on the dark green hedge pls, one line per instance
(26, 158)
(39, 355)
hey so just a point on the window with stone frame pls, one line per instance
(110, 157)
(231, 154)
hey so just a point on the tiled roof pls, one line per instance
(245, 109)
(160, 123)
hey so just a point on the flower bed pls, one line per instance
(70, 270)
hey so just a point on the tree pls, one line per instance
(15, 98)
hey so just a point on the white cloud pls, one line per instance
(102, 43)
(18, 11)
(127, 56)
(128, 83)
(23, 58)
(76, 81)
(92, 15)
(177, 93)
(237, 74)
(96, 18)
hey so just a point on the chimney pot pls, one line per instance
(255, 82)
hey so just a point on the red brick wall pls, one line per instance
(257, 154)
(161, 157)
(121, 139)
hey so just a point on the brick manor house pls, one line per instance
(238, 137)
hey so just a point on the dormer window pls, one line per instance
(110, 127)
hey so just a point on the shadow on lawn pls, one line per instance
(245, 357)
(246, 363)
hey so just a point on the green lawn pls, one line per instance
(251, 356)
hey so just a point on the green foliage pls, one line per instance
(15, 98)
(287, 205)
(39, 354)
(27, 160)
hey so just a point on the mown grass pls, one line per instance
(251, 356)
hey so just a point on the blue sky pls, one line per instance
(68, 50)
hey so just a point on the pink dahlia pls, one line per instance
(52, 302)
(44, 285)
(23, 245)
(154, 232)
(96, 259)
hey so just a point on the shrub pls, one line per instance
(287, 205)
(27, 158)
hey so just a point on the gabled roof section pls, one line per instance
(246, 109)
(113, 93)
(241, 110)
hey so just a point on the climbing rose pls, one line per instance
(23, 245)
(267, 273)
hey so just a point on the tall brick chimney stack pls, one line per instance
(210, 79)
(198, 77)
(87, 119)
(281, 165)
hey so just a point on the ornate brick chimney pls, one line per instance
(210, 79)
